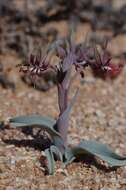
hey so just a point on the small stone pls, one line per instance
(123, 181)
(104, 188)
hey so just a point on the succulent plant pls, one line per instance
(77, 58)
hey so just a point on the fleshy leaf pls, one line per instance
(58, 142)
(50, 152)
(69, 156)
(51, 161)
(99, 150)
(45, 123)
(55, 150)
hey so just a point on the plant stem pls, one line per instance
(63, 119)
(62, 122)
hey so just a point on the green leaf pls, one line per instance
(58, 142)
(99, 150)
(69, 156)
(55, 150)
(50, 157)
(45, 123)
(51, 161)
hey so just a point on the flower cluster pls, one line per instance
(82, 56)
(70, 54)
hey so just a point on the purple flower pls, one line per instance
(36, 65)
(102, 60)
(101, 64)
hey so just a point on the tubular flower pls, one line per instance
(36, 65)
(101, 64)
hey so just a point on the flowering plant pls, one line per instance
(77, 58)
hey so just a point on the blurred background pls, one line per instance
(27, 25)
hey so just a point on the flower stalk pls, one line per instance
(70, 56)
